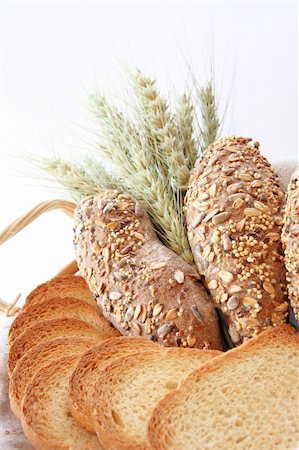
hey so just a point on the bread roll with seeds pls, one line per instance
(143, 288)
(234, 215)
(290, 239)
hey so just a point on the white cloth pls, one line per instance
(11, 434)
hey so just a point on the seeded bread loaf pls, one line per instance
(66, 286)
(90, 365)
(143, 288)
(127, 390)
(290, 239)
(234, 215)
(247, 398)
(58, 308)
(36, 358)
(48, 330)
(46, 420)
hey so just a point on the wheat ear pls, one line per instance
(209, 116)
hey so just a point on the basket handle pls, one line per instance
(19, 224)
(24, 220)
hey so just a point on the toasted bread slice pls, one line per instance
(245, 399)
(128, 388)
(90, 365)
(65, 286)
(45, 416)
(46, 331)
(59, 308)
(36, 358)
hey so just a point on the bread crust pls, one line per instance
(90, 365)
(63, 286)
(48, 330)
(234, 215)
(143, 288)
(36, 358)
(56, 308)
(105, 413)
(290, 240)
(283, 334)
(44, 427)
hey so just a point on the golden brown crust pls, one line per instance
(36, 358)
(234, 216)
(290, 240)
(45, 418)
(48, 330)
(143, 288)
(63, 286)
(90, 365)
(106, 417)
(56, 308)
(283, 334)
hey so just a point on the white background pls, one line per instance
(52, 55)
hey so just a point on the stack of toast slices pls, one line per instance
(75, 383)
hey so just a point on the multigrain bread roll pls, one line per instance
(290, 240)
(234, 215)
(143, 288)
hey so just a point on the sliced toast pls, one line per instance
(46, 331)
(65, 286)
(36, 358)
(128, 388)
(59, 308)
(45, 417)
(244, 399)
(90, 365)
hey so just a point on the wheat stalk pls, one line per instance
(209, 116)
(76, 179)
(142, 174)
(164, 130)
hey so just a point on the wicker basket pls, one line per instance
(11, 309)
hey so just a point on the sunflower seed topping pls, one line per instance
(172, 314)
(213, 284)
(220, 218)
(232, 302)
(196, 313)
(115, 295)
(191, 340)
(226, 276)
(157, 309)
(164, 330)
(179, 276)
(158, 265)
(198, 219)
